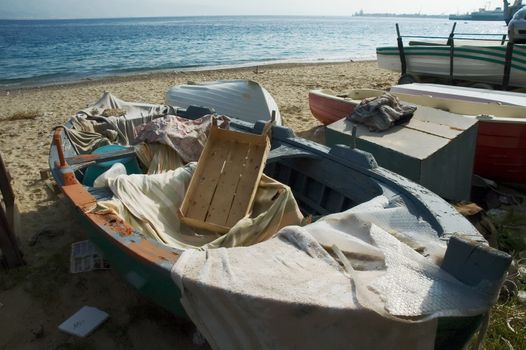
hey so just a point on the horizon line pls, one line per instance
(220, 15)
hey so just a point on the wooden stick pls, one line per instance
(57, 140)
(268, 124)
(8, 243)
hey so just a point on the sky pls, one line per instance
(44, 9)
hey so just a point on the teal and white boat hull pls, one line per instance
(478, 64)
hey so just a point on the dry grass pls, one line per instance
(23, 115)
(508, 316)
(507, 325)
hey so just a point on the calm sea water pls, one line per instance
(34, 52)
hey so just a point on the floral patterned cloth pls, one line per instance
(186, 136)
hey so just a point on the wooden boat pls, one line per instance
(328, 108)
(324, 180)
(501, 142)
(473, 63)
(242, 99)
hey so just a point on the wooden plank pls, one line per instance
(5, 184)
(473, 262)
(410, 142)
(206, 178)
(100, 157)
(247, 186)
(228, 182)
(8, 243)
(240, 136)
(199, 224)
(436, 116)
(440, 130)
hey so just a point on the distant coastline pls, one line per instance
(409, 15)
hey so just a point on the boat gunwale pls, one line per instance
(163, 257)
(482, 118)
(114, 227)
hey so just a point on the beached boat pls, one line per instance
(501, 141)
(328, 108)
(489, 60)
(473, 63)
(323, 180)
(242, 99)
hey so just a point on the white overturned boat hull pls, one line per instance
(246, 100)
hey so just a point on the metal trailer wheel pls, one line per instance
(407, 79)
(484, 86)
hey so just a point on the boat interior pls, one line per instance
(320, 185)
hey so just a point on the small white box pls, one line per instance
(84, 321)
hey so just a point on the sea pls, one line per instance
(41, 52)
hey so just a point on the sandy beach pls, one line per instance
(35, 299)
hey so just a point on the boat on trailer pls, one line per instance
(323, 180)
(500, 152)
(471, 63)
(484, 60)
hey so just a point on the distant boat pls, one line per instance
(481, 15)
(242, 99)
(497, 14)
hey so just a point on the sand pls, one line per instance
(35, 299)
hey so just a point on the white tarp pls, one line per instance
(289, 293)
(101, 123)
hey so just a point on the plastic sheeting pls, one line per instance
(187, 137)
(289, 292)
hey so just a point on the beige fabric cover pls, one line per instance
(157, 157)
(150, 204)
(285, 293)
(290, 293)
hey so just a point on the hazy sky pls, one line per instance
(145, 8)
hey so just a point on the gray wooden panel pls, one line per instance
(413, 143)
(438, 116)
(475, 263)
(435, 149)
(448, 172)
